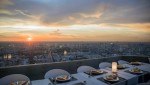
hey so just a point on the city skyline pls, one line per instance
(75, 20)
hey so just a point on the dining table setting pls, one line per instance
(130, 73)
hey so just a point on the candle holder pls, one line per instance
(114, 67)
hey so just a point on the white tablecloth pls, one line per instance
(130, 78)
(77, 76)
(40, 82)
(145, 67)
(94, 78)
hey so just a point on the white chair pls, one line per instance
(120, 62)
(84, 69)
(55, 72)
(13, 78)
(104, 65)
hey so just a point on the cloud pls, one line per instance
(96, 11)
(108, 16)
(54, 12)
(58, 34)
(10, 36)
(143, 27)
(78, 33)
(70, 12)
(5, 12)
(93, 15)
(25, 13)
(133, 11)
(74, 13)
(3, 36)
(138, 26)
(5, 3)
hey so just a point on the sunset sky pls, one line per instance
(75, 20)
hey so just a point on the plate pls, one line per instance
(135, 72)
(135, 63)
(95, 72)
(20, 83)
(113, 80)
(63, 78)
(121, 67)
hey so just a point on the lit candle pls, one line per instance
(9, 56)
(65, 53)
(114, 67)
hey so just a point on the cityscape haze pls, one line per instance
(45, 31)
(23, 53)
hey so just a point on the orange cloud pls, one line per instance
(145, 27)
(138, 26)
(102, 32)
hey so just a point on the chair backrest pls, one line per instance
(84, 69)
(122, 62)
(149, 60)
(144, 83)
(55, 72)
(103, 65)
(13, 78)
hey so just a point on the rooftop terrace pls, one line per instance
(37, 71)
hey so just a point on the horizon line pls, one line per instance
(80, 41)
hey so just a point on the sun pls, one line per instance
(29, 39)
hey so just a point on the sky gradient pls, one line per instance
(75, 20)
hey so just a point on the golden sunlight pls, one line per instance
(29, 39)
